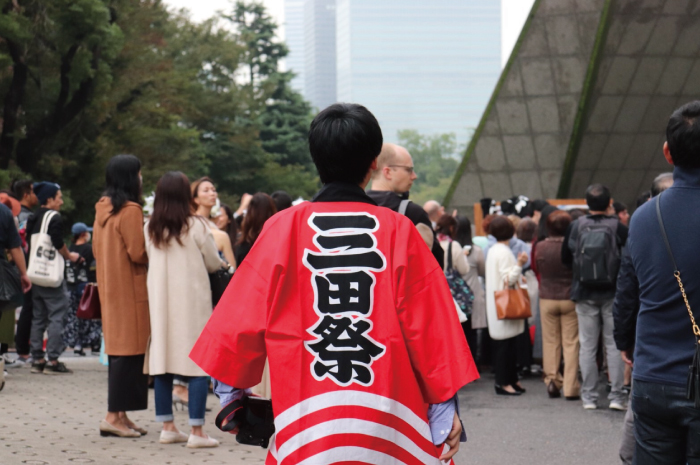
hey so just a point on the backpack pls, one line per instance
(597, 253)
(461, 293)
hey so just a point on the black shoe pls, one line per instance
(573, 397)
(553, 390)
(502, 392)
(38, 367)
(627, 388)
(519, 389)
(80, 352)
(58, 368)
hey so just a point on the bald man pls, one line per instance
(391, 183)
(434, 211)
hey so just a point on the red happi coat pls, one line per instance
(360, 329)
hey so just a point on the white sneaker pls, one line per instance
(17, 362)
(172, 437)
(198, 442)
(589, 406)
(614, 405)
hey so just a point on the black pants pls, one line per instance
(504, 357)
(524, 347)
(666, 425)
(24, 325)
(127, 386)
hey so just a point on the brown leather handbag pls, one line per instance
(89, 307)
(513, 303)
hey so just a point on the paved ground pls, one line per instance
(54, 420)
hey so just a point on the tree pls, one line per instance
(433, 158)
(61, 53)
(84, 80)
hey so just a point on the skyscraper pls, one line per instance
(294, 38)
(320, 52)
(429, 66)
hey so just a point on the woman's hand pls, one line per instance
(522, 259)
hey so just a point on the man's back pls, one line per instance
(414, 213)
(579, 290)
(354, 316)
(665, 342)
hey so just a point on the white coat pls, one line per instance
(501, 265)
(179, 297)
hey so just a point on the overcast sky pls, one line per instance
(514, 14)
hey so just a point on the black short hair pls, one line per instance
(643, 198)
(597, 197)
(21, 187)
(619, 207)
(344, 140)
(683, 135)
(501, 228)
(282, 200)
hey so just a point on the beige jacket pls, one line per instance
(179, 297)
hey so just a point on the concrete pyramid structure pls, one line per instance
(584, 97)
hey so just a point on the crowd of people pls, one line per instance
(154, 285)
(583, 268)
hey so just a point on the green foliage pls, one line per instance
(434, 161)
(83, 80)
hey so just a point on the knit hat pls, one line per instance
(45, 191)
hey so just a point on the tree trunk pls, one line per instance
(13, 104)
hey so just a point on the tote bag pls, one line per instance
(46, 265)
(513, 303)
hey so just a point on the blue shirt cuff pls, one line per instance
(226, 393)
(441, 417)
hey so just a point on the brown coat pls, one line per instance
(120, 253)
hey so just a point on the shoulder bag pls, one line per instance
(461, 293)
(218, 282)
(512, 303)
(89, 307)
(11, 295)
(693, 385)
(46, 265)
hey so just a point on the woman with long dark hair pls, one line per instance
(182, 253)
(204, 197)
(227, 223)
(261, 208)
(120, 256)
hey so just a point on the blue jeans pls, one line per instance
(666, 425)
(197, 398)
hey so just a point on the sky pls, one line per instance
(514, 14)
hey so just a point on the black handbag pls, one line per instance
(11, 295)
(218, 281)
(254, 418)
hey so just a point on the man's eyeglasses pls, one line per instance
(408, 169)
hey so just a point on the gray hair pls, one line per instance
(661, 183)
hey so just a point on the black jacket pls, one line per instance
(414, 213)
(55, 227)
(626, 305)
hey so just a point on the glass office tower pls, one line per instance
(320, 52)
(294, 38)
(429, 66)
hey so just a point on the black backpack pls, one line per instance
(597, 257)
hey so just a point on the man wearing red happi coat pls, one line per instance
(354, 314)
